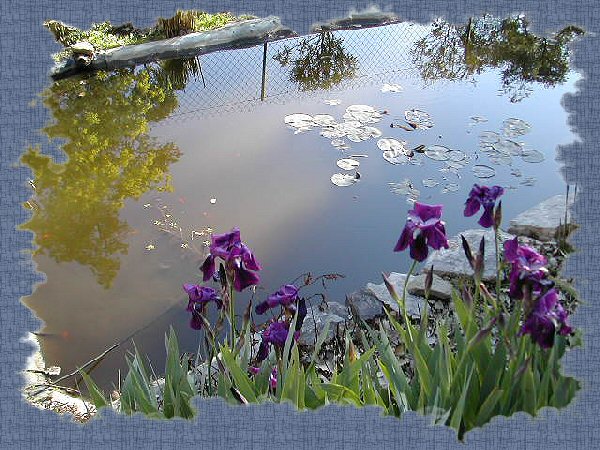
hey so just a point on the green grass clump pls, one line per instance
(104, 35)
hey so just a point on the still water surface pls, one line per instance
(231, 161)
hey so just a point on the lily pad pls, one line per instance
(450, 187)
(430, 182)
(418, 119)
(508, 147)
(347, 164)
(362, 113)
(391, 88)
(529, 181)
(332, 101)
(500, 159)
(487, 138)
(483, 171)
(406, 187)
(372, 132)
(477, 119)
(437, 152)
(338, 143)
(323, 120)
(531, 155)
(343, 179)
(392, 144)
(298, 120)
(513, 127)
(395, 157)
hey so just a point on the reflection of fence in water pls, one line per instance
(233, 80)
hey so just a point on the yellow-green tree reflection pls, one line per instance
(459, 52)
(103, 124)
(318, 62)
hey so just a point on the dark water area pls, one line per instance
(191, 148)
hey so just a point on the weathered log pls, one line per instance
(231, 36)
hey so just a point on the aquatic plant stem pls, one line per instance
(231, 315)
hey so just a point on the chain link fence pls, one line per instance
(316, 64)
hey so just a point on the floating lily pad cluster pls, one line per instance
(356, 127)
(500, 148)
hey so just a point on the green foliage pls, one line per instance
(102, 124)
(457, 53)
(492, 372)
(104, 35)
(318, 62)
(188, 21)
(138, 391)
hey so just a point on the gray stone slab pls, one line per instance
(414, 304)
(315, 322)
(440, 288)
(453, 262)
(541, 221)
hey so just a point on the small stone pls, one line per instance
(414, 304)
(82, 48)
(440, 288)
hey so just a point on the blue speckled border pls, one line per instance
(25, 47)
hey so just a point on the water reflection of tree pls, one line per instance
(459, 52)
(318, 62)
(103, 123)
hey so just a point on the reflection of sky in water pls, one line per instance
(276, 187)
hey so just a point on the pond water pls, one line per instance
(190, 147)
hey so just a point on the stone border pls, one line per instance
(231, 36)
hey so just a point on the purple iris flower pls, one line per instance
(273, 378)
(199, 298)
(239, 260)
(276, 334)
(547, 318)
(426, 219)
(285, 296)
(200, 295)
(528, 267)
(483, 196)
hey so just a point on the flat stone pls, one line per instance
(541, 221)
(83, 47)
(315, 322)
(440, 288)
(452, 261)
(414, 304)
(364, 304)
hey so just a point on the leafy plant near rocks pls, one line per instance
(138, 392)
(478, 368)
(104, 35)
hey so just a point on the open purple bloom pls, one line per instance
(275, 334)
(198, 299)
(528, 267)
(547, 318)
(201, 295)
(483, 196)
(285, 296)
(431, 232)
(239, 260)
